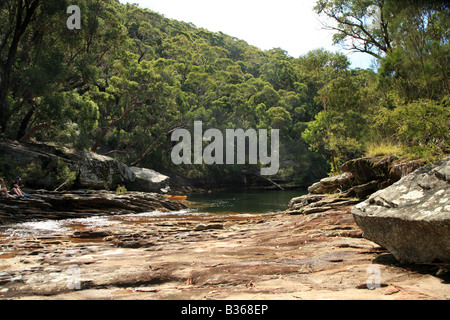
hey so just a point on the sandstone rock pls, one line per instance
(63, 205)
(90, 234)
(364, 176)
(401, 169)
(308, 204)
(93, 171)
(362, 190)
(147, 180)
(99, 172)
(316, 188)
(365, 170)
(411, 218)
(332, 184)
(259, 258)
(16, 157)
(202, 226)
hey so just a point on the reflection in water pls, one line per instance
(246, 201)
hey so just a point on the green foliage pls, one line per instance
(129, 77)
(409, 103)
(121, 189)
(64, 175)
(423, 127)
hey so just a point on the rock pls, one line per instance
(364, 176)
(90, 234)
(147, 180)
(401, 169)
(363, 190)
(63, 205)
(304, 200)
(365, 170)
(332, 184)
(411, 218)
(99, 172)
(316, 188)
(130, 241)
(201, 226)
(41, 159)
(40, 163)
(308, 204)
(263, 257)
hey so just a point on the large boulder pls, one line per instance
(332, 184)
(401, 169)
(44, 166)
(100, 172)
(364, 176)
(147, 180)
(411, 218)
(36, 162)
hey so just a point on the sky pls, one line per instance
(291, 25)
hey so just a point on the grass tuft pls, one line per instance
(383, 148)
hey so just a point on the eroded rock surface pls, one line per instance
(312, 203)
(362, 177)
(43, 205)
(411, 218)
(269, 256)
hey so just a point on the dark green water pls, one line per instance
(244, 201)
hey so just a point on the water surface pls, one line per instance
(245, 201)
(201, 208)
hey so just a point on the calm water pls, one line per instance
(245, 201)
(201, 207)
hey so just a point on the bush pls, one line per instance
(64, 175)
(121, 189)
(422, 127)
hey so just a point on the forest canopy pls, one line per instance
(123, 82)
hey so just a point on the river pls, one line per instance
(245, 201)
(202, 207)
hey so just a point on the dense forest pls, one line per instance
(123, 82)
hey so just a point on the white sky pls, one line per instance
(288, 24)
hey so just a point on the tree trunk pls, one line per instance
(3, 110)
(24, 12)
(24, 124)
(333, 160)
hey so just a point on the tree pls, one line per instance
(410, 38)
(15, 17)
(341, 128)
(418, 66)
(279, 71)
(360, 25)
(50, 60)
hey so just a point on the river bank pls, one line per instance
(209, 256)
(95, 244)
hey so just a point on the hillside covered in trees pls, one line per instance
(121, 84)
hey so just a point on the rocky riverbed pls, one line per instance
(180, 255)
(44, 205)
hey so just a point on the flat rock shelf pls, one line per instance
(212, 256)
